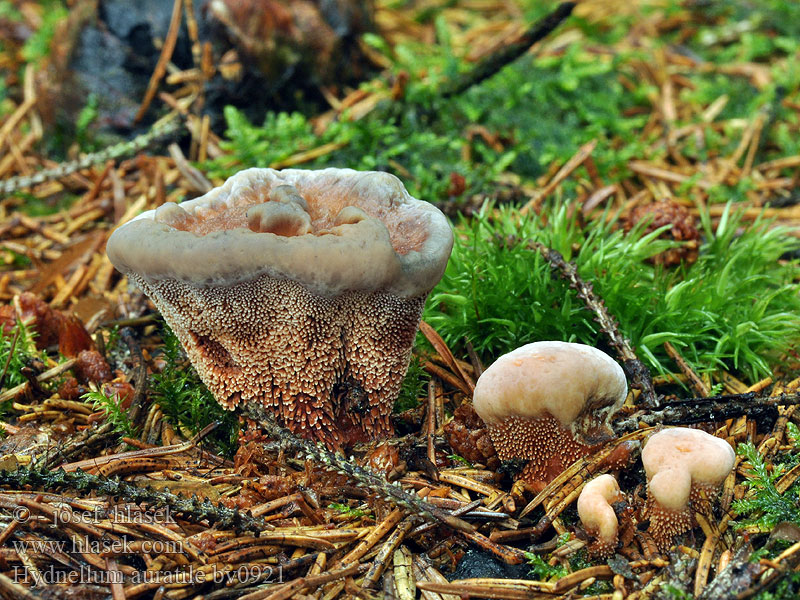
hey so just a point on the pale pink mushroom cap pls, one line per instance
(595, 510)
(675, 459)
(561, 379)
(356, 231)
(685, 468)
(544, 401)
(301, 290)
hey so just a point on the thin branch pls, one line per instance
(636, 369)
(704, 410)
(363, 477)
(133, 146)
(140, 376)
(508, 54)
(191, 509)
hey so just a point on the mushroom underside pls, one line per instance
(667, 524)
(329, 368)
(548, 446)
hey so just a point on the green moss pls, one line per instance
(740, 30)
(115, 414)
(17, 354)
(735, 308)
(9, 11)
(541, 570)
(34, 206)
(344, 509)
(765, 506)
(14, 260)
(37, 46)
(85, 118)
(787, 588)
(552, 105)
(186, 401)
(414, 385)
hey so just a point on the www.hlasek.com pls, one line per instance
(106, 546)
(51, 575)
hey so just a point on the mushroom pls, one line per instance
(549, 403)
(301, 290)
(597, 513)
(685, 469)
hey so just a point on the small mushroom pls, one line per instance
(597, 513)
(685, 469)
(549, 403)
(301, 290)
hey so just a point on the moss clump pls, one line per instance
(737, 307)
(186, 401)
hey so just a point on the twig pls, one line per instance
(99, 461)
(697, 383)
(10, 355)
(636, 369)
(49, 374)
(191, 509)
(132, 322)
(138, 143)
(703, 410)
(492, 64)
(166, 54)
(734, 579)
(288, 590)
(15, 590)
(583, 153)
(477, 366)
(389, 546)
(140, 378)
(447, 356)
(430, 422)
(364, 477)
(505, 589)
(75, 446)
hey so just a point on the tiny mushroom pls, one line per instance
(301, 290)
(685, 469)
(597, 513)
(548, 403)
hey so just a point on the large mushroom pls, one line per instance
(301, 290)
(548, 403)
(685, 469)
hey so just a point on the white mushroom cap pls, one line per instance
(560, 379)
(341, 230)
(679, 458)
(595, 510)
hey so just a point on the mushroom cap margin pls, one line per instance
(562, 379)
(355, 256)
